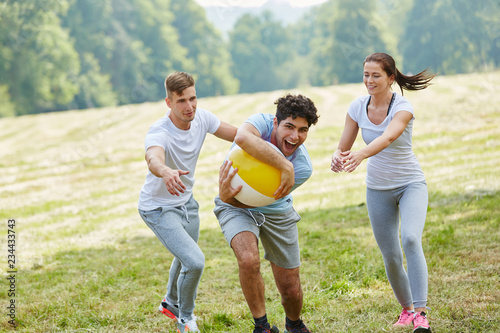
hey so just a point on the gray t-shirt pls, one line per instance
(182, 149)
(396, 165)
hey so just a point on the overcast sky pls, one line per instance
(255, 3)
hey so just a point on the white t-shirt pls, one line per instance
(182, 149)
(396, 165)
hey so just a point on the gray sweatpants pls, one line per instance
(385, 207)
(178, 229)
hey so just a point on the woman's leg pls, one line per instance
(384, 217)
(413, 207)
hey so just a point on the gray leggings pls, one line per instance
(178, 229)
(384, 209)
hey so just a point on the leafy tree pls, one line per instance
(60, 54)
(7, 108)
(149, 24)
(39, 63)
(489, 15)
(347, 32)
(211, 61)
(133, 45)
(95, 88)
(261, 49)
(88, 23)
(251, 61)
(317, 40)
(451, 37)
(304, 31)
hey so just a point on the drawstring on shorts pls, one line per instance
(262, 217)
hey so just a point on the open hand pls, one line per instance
(226, 191)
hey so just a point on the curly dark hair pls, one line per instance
(296, 106)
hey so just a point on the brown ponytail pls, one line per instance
(407, 82)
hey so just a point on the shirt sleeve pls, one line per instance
(261, 122)
(302, 173)
(402, 104)
(211, 121)
(354, 109)
(156, 137)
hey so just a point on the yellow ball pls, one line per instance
(259, 180)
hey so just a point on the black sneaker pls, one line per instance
(168, 310)
(268, 329)
(299, 328)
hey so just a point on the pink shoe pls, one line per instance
(405, 318)
(421, 324)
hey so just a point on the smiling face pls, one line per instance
(183, 107)
(289, 134)
(376, 79)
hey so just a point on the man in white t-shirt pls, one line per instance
(275, 224)
(166, 200)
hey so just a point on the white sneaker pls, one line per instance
(187, 325)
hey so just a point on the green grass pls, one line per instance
(87, 263)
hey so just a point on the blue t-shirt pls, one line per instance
(300, 159)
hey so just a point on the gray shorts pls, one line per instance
(277, 232)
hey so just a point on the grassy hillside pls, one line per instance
(87, 263)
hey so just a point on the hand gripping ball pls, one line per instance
(259, 179)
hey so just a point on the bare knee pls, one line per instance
(291, 291)
(248, 263)
(245, 247)
(288, 283)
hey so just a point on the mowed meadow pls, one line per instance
(87, 263)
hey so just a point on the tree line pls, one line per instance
(75, 54)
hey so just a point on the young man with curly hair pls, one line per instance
(274, 224)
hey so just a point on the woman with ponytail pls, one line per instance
(396, 186)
